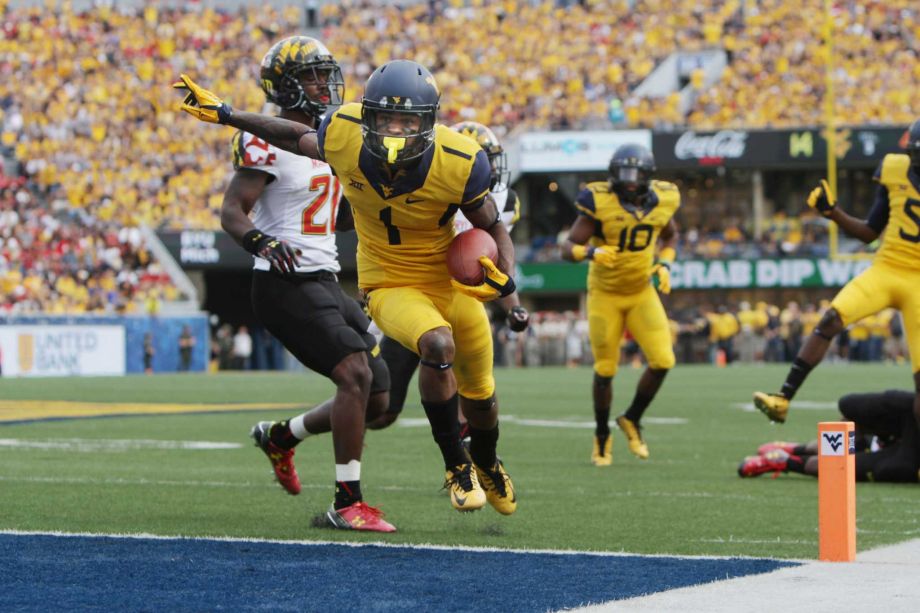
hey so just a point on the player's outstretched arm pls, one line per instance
(823, 200)
(282, 133)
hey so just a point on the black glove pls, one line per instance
(518, 318)
(278, 253)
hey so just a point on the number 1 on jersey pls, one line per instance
(386, 216)
(320, 183)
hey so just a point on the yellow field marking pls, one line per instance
(22, 410)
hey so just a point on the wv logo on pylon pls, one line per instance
(832, 443)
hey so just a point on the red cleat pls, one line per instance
(774, 461)
(768, 447)
(282, 459)
(359, 516)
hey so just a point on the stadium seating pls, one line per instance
(55, 259)
(85, 101)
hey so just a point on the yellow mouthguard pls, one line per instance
(394, 145)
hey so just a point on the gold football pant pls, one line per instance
(881, 286)
(643, 314)
(406, 313)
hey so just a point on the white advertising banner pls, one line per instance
(51, 350)
(576, 151)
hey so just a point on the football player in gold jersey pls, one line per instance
(893, 280)
(405, 178)
(620, 223)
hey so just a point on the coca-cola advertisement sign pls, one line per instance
(791, 148)
(711, 148)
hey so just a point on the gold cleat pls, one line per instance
(605, 457)
(633, 437)
(463, 486)
(498, 487)
(774, 406)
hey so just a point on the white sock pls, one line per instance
(297, 429)
(348, 472)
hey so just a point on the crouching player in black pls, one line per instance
(887, 418)
(295, 291)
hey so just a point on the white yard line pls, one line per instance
(267, 483)
(425, 546)
(93, 445)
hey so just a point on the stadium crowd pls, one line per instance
(514, 65)
(87, 168)
(56, 259)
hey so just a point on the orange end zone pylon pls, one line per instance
(836, 491)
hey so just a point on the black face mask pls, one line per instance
(398, 151)
(630, 184)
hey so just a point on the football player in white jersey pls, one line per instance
(403, 363)
(295, 292)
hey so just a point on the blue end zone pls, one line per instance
(86, 572)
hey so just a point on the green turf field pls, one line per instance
(686, 499)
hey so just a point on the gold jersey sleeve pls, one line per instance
(404, 222)
(632, 233)
(901, 237)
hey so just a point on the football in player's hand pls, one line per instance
(464, 253)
